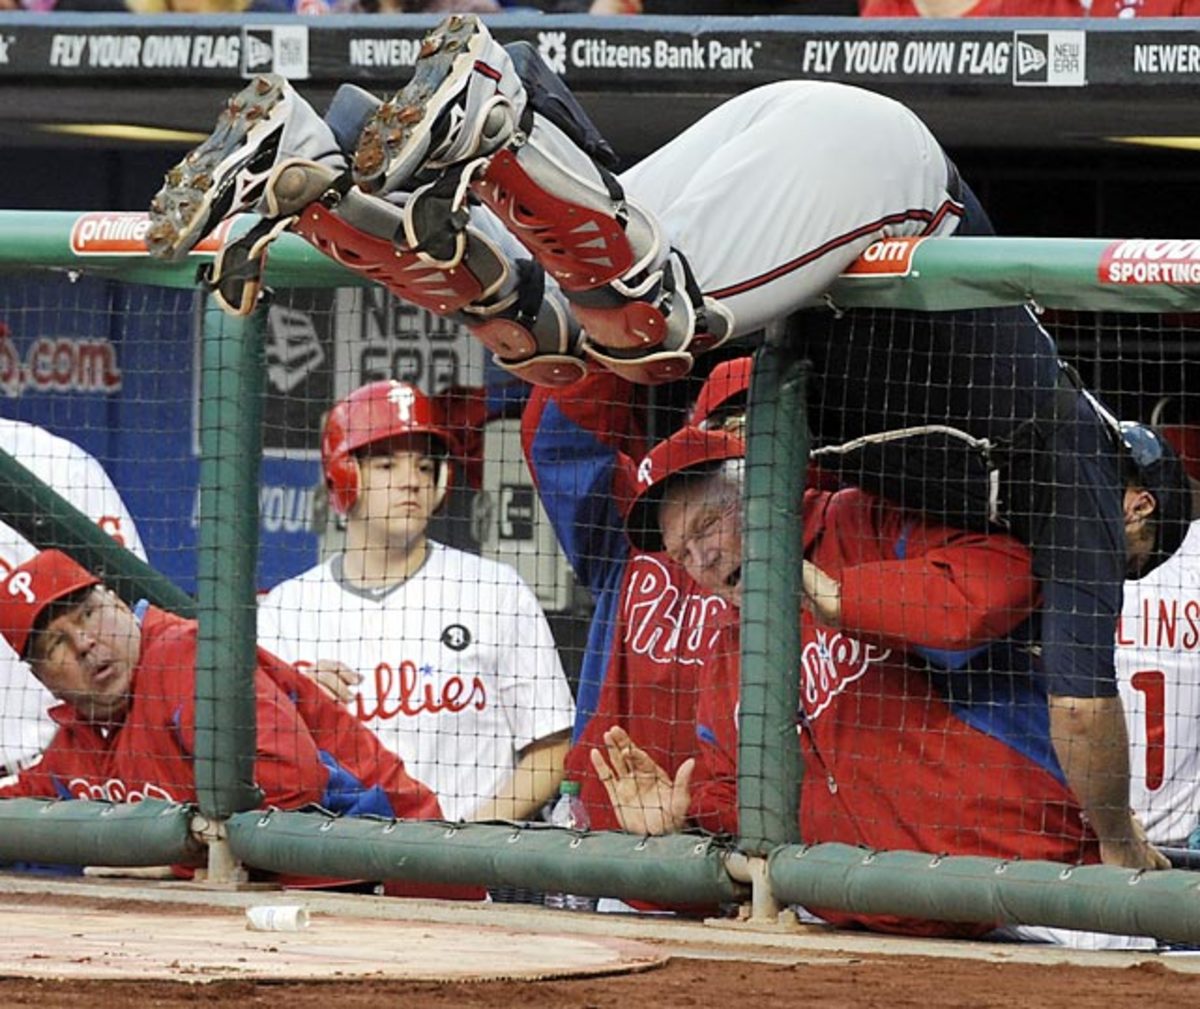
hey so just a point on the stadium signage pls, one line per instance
(383, 52)
(683, 53)
(108, 51)
(1141, 261)
(598, 52)
(123, 233)
(1171, 59)
(889, 257)
(915, 57)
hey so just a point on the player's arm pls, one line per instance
(1092, 746)
(532, 783)
(580, 443)
(36, 782)
(959, 591)
(703, 791)
(1087, 720)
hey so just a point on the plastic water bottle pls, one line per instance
(570, 812)
(1193, 840)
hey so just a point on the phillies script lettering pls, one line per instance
(116, 790)
(663, 623)
(829, 663)
(404, 691)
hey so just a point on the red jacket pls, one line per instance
(652, 626)
(894, 759)
(310, 749)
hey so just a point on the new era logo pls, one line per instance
(257, 52)
(1050, 59)
(281, 49)
(1031, 59)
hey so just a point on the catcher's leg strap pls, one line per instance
(683, 322)
(235, 276)
(531, 333)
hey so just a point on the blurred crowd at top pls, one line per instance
(864, 8)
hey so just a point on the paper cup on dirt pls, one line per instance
(276, 918)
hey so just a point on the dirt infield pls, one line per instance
(78, 945)
(867, 983)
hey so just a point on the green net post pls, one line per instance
(230, 456)
(769, 763)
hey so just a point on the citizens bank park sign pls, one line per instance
(680, 53)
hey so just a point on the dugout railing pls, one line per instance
(768, 865)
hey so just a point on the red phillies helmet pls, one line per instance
(727, 380)
(688, 448)
(373, 413)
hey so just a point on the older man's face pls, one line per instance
(87, 655)
(702, 531)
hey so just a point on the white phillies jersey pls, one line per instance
(1158, 671)
(25, 727)
(460, 671)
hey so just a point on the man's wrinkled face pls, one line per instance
(701, 524)
(86, 656)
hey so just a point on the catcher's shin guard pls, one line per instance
(235, 275)
(365, 235)
(628, 290)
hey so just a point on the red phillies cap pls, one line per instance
(30, 587)
(726, 380)
(688, 448)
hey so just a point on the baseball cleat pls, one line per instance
(464, 101)
(262, 125)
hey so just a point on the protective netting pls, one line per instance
(457, 570)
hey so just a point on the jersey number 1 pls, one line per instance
(1152, 684)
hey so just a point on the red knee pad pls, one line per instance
(506, 338)
(634, 325)
(653, 368)
(554, 370)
